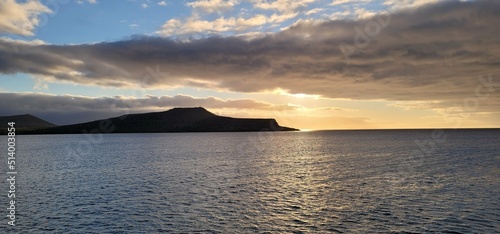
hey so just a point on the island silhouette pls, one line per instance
(24, 123)
(196, 119)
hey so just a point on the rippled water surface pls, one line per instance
(282, 182)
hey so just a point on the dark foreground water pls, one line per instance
(285, 182)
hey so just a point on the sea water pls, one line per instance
(256, 182)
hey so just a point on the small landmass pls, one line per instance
(24, 122)
(196, 119)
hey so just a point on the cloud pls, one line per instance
(144, 5)
(433, 53)
(281, 5)
(314, 11)
(57, 108)
(402, 4)
(210, 6)
(364, 13)
(22, 42)
(162, 3)
(89, 1)
(254, 19)
(21, 18)
(341, 2)
(195, 25)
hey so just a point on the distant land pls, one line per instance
(196, 119)
(24, 122)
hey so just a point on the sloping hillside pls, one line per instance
(175, 120)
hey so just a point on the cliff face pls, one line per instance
(174, 120)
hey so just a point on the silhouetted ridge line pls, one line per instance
(196, 119)
(26, 121)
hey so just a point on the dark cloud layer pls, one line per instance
(432, 53)
(68, 109)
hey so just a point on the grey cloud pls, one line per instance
(431, 53)
(67, 109)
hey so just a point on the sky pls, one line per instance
(310, 64)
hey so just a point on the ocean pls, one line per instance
(391, 181)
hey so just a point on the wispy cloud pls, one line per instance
(281, 5)
(402, 4)
(20, 18)
(89, 1)
(213, 5)
(195, 25)
(341, 2)
(253, 16)
(314, 11)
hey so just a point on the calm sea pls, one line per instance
(282, 182)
